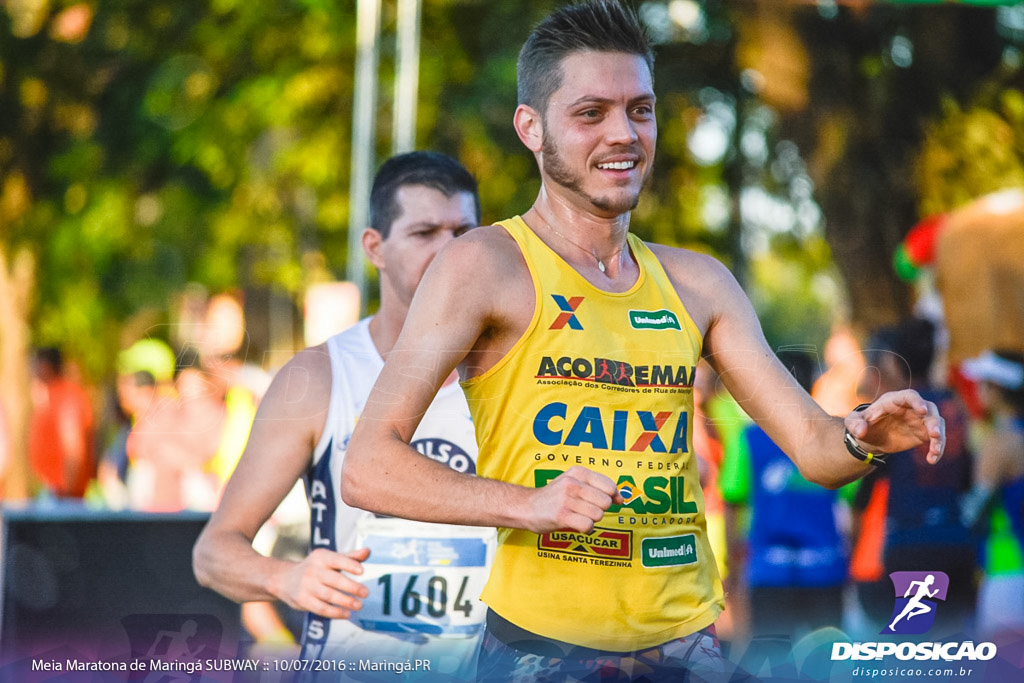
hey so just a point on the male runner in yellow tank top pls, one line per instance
(576, 344)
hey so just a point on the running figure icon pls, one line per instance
(915, 606)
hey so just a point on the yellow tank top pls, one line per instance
(603, 380)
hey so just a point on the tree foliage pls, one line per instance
(171, 142)
(973, 149)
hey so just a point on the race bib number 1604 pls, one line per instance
(424, 578)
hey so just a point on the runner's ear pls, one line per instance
(529, 126)
(372, 240)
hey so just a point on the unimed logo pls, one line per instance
(670, 551)
(654, 320)
(917, 594)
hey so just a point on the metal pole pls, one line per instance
(407, 72)
(364, 116)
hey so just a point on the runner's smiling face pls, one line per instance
(599, 131)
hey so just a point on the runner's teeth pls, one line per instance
(618, 165)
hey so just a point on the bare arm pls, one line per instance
(735, 345)
(287, 426)
(454, 313)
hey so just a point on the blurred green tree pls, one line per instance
(973, 149)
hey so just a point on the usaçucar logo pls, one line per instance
(608, 543)
(916, 595)
(654, 320)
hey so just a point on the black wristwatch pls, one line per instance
(857, 451)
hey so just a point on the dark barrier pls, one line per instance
(97, 591)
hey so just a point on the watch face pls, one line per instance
(857, 451)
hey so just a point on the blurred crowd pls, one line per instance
(167, 433)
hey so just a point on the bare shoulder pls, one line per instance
(301, 388)
(483, 251)
(701, 266)
(315, 358)
(482, 273)
(480, 287)
(704, 284)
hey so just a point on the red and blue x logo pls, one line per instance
(568, 314)
(652, 424)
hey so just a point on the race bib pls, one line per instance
(424, 578)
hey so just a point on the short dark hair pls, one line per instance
(912, 340)
(143, 378)
(51, 357)
(432, 169)
(598, 25)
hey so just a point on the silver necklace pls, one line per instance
(600, 262)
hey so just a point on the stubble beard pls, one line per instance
(560, 173)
